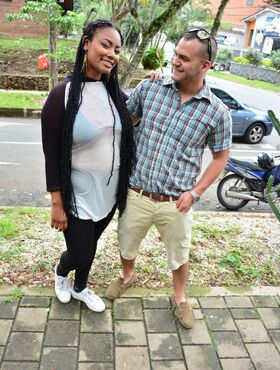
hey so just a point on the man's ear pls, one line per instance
(206, 66)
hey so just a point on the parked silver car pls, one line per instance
(247, 122)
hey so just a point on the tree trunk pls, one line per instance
(147, 34)
(53, 79)
(217, 20)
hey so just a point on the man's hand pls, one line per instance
(184, 203)
(58, 218)
(153, 75)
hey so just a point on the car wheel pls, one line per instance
(254, 133)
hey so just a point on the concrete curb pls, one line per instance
(20, 112)
(143, 292)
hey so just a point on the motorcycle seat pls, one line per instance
(251, 165)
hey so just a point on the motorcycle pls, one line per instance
(245, 181)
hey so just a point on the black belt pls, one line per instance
(156, 196)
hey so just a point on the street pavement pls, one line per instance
(233, 331)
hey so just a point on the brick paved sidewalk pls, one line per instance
(231, 333)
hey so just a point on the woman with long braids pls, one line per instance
(89, 150)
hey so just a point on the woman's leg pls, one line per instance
(81, 238)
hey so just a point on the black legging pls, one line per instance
(81, 238)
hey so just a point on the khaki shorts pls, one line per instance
(174, 228)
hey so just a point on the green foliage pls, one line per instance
(254, 56)
(267, 63)
(8, 227)
(188, 18)
(153, 58)
(275, 59)
(224, 55)
(241, 60)
(272, 192)
(15, 294)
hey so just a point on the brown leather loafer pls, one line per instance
(184, 313)
(117, 287)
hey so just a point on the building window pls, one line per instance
(249, 2)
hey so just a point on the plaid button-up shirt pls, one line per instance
(171, 136)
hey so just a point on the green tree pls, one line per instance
(149, 29)
(218, 17)
(47, 11)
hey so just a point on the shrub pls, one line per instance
(241, 60)
(153, 58)
(224, 55)
(275, 59)
(254, 56)
(267, 63)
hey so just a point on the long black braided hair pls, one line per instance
(127, 148)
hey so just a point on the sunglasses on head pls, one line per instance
(202, 35)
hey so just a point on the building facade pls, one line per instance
(237, 10)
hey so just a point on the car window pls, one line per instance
(225, 98)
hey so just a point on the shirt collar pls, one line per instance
(204, 92)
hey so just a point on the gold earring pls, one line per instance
(85, 63)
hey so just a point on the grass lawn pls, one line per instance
(22, 99)
(244, 81)
(227, 250)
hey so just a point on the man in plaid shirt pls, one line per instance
(179, 117)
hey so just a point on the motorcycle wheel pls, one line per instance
(232, 182)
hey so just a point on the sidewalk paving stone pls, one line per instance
(252, 331)
(212, 302)
(29, 301)
(124, 336)
(264, 356)
(96, 347)
(229, 344)
(244, 313)
(94, 366)
(219, 319)
(30, 319)
(61, 311)
(136, 358)
(156, 302)
(201, 357)
(238, 302)
(198, 335)
(237, 364)
(24, 347)
(160, 321)
(1, 352)
(163, 365)
(59, 358)
(96, 322)
(62, 333)
(165, 347)
(270, 317)
(7, 309)
(20, 365)
(264, 301)
(5, 327)
(277, 298)
(128, 309)
(275, 335)
(140, 333)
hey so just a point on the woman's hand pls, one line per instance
(59, 219)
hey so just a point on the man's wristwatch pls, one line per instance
(195, 197)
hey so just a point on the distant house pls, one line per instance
(236, 10)
(263, 30)
(18, 28)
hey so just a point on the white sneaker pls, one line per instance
(93, 302)
(62, 288)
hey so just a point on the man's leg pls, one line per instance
(180, 277)
(132, 228)
(128, 268)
